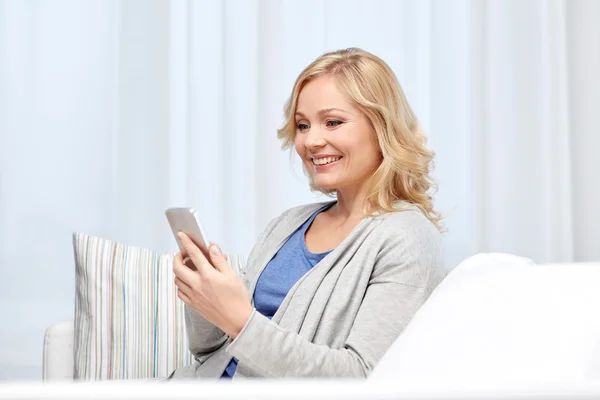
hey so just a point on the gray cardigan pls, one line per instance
(340, 318)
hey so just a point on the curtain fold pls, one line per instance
(583, 63)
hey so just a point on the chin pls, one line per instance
(326, 185)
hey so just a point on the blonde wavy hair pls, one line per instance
(373, 88)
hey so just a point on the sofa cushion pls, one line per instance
(129, 322)
(500, 319)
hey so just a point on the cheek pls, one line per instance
(365, 152)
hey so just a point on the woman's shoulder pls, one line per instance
(409, 247)
(408, 222)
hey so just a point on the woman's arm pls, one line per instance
(397, 288)
(204, 338)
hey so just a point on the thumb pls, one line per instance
(217, 258)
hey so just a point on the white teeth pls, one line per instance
(326, 160)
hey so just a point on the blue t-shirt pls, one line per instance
(290, 263)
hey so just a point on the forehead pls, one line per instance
(323, 93)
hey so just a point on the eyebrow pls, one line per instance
(323, 111)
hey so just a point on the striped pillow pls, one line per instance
(129, 322)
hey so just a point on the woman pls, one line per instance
(329, 286)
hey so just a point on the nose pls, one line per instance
(315, 138)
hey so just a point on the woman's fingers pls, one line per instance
(187, 261)
(178, 258)
(196, 255)
(182, 286)
(183, 297)
(218, 259)
(183, 259)
(182, 272)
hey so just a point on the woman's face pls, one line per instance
(334, 139)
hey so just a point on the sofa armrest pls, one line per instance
(58, 361)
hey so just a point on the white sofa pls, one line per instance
(497, 321)
(58, 352)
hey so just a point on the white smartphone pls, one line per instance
(186, 220)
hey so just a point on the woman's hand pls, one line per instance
(214, 289)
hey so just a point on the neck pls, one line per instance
(350, 203)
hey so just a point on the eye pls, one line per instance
(333, 123)
(302, 127)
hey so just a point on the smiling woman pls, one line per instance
(352, 99)
(329, 286)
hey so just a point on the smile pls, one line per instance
(326, 160)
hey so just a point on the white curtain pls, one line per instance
(112, 111)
